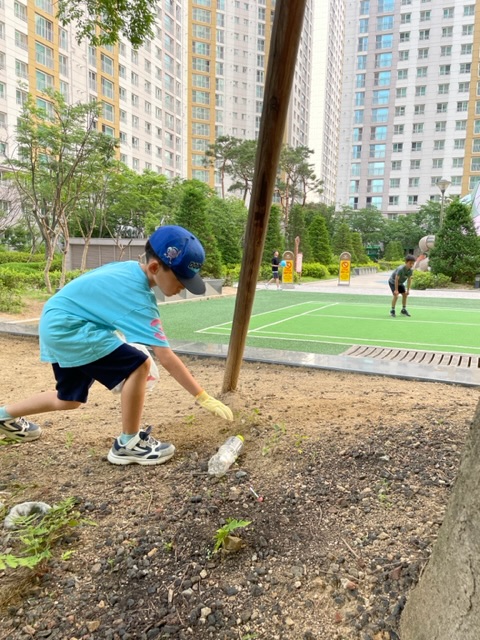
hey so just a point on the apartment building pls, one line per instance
(410, 112)
(326, 92)
(227, 55)
(202, 75)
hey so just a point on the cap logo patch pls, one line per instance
(171, 253)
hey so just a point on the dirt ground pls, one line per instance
(354, 472)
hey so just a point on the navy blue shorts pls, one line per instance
(73, 383)
(401, 288)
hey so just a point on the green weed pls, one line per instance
(229, 527)
(35, 538)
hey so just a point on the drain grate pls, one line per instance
(418, 357)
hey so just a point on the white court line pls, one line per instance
(305, 313)
(388, 319)
(415, 307)
(257, 315)
(333, 340)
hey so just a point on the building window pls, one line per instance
(44, 55)
(43, 28)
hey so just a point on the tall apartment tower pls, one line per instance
(201, 75)
(326, 92)
(141, 92)
(411, 102)
(227, 55)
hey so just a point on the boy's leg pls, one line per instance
(15, 427)
(134, 445)
(133, 398)
(394, 302)
(404, 304)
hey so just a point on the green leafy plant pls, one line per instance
(35, 537)
(384, 494)
(278, 433)
(228, 528)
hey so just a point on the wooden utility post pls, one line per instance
(286, 32)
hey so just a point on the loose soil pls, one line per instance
(354, 472)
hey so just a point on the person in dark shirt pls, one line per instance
(275, 273)
(397, 280)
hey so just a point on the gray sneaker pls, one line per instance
(141, 449)
(19, 429)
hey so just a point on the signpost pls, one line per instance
(344, 269)
(287, 275)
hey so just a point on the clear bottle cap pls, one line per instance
(240, 437)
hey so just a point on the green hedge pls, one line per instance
(20, 256)
(15, 280)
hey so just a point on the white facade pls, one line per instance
(410, 73)
(326, 92)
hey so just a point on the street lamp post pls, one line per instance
(443, 185)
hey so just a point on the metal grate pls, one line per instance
(418, 357)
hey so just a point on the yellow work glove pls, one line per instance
(213, 405)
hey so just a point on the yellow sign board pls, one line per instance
(344, 268)
(287, 275)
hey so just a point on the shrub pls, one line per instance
(315, 270)
(389, 265)
(10, 301)
(429, 280)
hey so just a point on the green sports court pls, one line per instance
(329, 323)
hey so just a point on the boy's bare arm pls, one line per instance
(175, 367)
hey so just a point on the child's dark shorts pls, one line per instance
(401, 288)
(73, 383)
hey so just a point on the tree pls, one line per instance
(228, 218)
(102, 22)
(446, 603)
(342, 240)
(428, 217)
(359, 254)
(457, 247)
(406, 230)
(320, 241)
(242, 167)
(193, 215)
(297, 228)
(295, 178)
(219, 155)
(58, 150)
(369, 222)
(394, 251)
(274, 237)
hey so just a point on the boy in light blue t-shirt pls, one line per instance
(79, 335)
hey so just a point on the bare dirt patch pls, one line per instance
(355, 472)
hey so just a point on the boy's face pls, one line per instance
(163, 277)
(409, 264)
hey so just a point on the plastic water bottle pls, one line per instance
(220, 462)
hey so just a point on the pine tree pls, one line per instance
(320, 240)
(394, 251)
(273, 239)
(193, 216)
(342, 240)
(297, 228)
(457, 247)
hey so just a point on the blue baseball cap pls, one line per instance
(180, 250)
